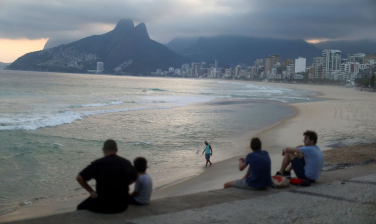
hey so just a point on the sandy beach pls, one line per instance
(345, 117)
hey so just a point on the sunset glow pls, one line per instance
(10, 50)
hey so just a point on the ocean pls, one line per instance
(52, 125)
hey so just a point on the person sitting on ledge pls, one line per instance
(307, 161)
(113, 175)
(258, 176)
(144, 186)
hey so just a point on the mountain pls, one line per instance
(126, 49)
(3, 65)
(51, 43)
(178, 45)
(349, 47)
(233, 50)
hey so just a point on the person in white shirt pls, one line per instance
(144, 186)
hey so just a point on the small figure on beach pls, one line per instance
(307, 161)
(258, 176)
(208, 152)
(144, 186)
(113, 175)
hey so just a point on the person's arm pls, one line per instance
(203, 151)
(211, 150)
(247, 174)
(242, 164)
(86, 186)
(290, 150)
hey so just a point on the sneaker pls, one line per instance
(287, 174)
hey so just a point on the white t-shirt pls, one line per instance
(144, 187)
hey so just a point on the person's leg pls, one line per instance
(133, 201)
(85, 205)
(298, 167)
(229, 184)
(207, 157)
(286, 161)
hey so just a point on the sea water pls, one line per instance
(52, 125)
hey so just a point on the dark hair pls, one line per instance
(255, 144)
(109, 145)
(311, 135)
(140, 164)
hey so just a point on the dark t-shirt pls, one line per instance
(260, 169)
(113, 174)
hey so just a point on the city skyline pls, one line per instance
(27, 25)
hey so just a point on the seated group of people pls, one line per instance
(306, 160)
(114, 174)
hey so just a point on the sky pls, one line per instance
(26, 25)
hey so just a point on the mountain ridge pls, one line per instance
(233, 50)
(127, 49)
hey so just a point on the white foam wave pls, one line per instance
(52, 119)
(98, 104)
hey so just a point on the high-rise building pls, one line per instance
(216, 64)
(300, 65)
(259, 63)
(289, 71)
(317, 67)
(192, 69)
(287, 62)
(356, 58)
(236, 72)
(369, 57)
(332, 62)
(100, 67)
(270, 62)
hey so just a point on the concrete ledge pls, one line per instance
(332, 191)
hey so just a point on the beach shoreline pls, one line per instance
(287, 132)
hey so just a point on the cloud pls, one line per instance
(166, 19)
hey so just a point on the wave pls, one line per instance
(154, 90)
(97, 104)
(34, 121)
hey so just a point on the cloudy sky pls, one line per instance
(26, 25)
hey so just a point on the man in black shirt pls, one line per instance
(113, 175)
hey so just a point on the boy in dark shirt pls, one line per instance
(258, 176)
(113, 175)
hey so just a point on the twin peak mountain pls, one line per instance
(125, 49)
(129, 50)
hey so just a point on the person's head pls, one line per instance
(206, 142)
(310, 138)
(109, 147)
(140, 164)
(255, 144)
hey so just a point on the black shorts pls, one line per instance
(298, 167)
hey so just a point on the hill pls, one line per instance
(3, 65)
(126, 49)
(349, 47)
(233, 50)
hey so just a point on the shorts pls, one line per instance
(207, 156)
(298, 167)
(242, 183)
(133, 201)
